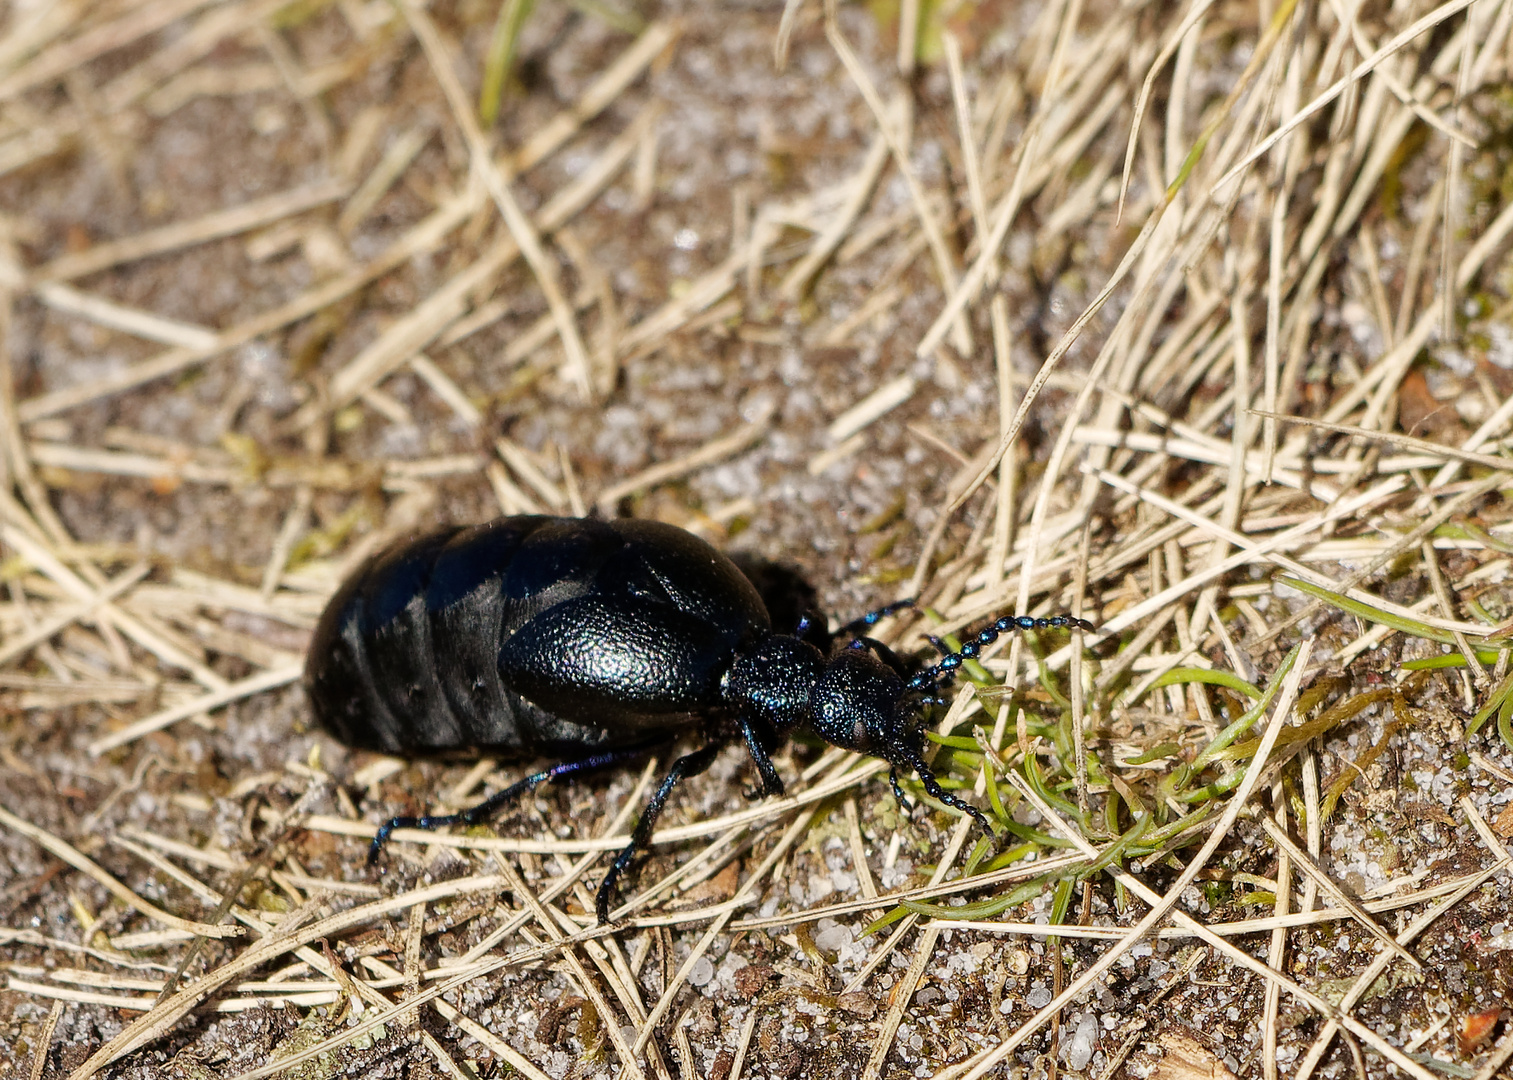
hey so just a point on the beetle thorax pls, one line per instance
(771, 684)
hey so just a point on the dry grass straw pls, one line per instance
(1222, 284)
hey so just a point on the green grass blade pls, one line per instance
(1207, 675)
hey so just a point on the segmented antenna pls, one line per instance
(945, 669)
(932, 787)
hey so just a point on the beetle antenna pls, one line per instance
(945, 669)
(932, 788)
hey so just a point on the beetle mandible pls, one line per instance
(593, 641)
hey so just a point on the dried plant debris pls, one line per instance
(1195, 321)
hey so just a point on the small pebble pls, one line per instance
(751, 978)
(833, 937)
(1079, 1050)
(858, 1003)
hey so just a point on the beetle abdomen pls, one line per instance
(530, 635)
(387, 672)
(466, 612)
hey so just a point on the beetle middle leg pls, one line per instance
(687, 765)
(476, 815)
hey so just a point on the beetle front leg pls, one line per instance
(898, 792)
(687, 765)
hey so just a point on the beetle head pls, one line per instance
(859, 704)
(862, 702)
(857, 699)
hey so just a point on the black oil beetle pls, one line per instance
(594, 641)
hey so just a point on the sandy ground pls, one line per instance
(265, 310)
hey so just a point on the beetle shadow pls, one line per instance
(791, 601)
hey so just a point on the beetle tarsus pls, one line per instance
(898, 792)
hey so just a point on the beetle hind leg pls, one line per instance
(476, 815)
(687, 765)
